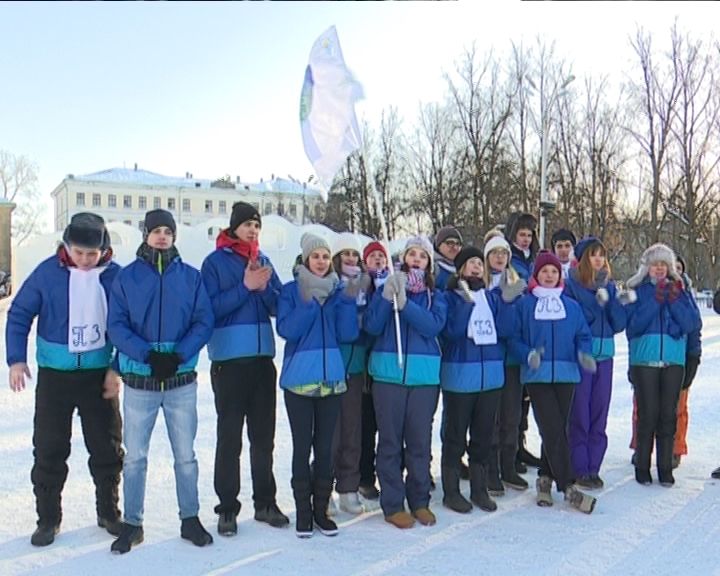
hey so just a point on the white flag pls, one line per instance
(327, 108)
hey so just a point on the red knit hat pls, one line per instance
(544, 258)
(374, 245)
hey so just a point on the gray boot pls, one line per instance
(544, 491)
(452, 498)
(579, 500)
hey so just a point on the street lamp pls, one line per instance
(546, 104)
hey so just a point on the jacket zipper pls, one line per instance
(160, 271)
(661, 335)
(322, 327)
(405, 354)
(552, 349)
(257, 321)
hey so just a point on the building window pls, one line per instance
(112, 201)
(293, 210)
(222, 207)
(186, 204)
(127, 201)
(141, 225)
(97, 202)
(208, 206)
(268, 208)
(80, 199)
(128, 222)
(142, 203)
(156, 202)
(171, 204)
(281, 209)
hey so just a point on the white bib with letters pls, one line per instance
(481, 326)
(87, 310)
(549, 305)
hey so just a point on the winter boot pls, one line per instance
(479, 488)
(586, 481)
(129, 536)
(192, 530)
(106, 504)
(322, 490)
(642, 476)
(579, 500)
(303, 508)
(495, 486)
(47, 505)
(664, 461)
(524, 454)
(676, 459)
(452, 498)
(369, 491)
(44, 534)
(227, 523)
(510, 477)
(543, 485)
(598, 482)
(425, 516)
(401, 520)
(272, 515)
(715, 473)
(666, 478)
(350, 503)
(464, 471)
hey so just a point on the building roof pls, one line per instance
(146, 178)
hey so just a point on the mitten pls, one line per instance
(661, 290)
(534, 358)
(674, 289)
(354, 286)
(601, 278)
(626, 297)
(464, 291)
(602, 296)
(395, 287)
(587, 362)
(510, 291)
(691, 365)
(163, 365)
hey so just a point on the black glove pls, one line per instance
(691, 365)
(163, 365)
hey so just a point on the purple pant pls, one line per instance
(588, 419)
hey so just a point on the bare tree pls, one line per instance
(18, 184)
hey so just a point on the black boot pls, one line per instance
(509, 473)
(479, 488)
(452, 498)
(44, 534)
(492, 473)
(322, 489)
(192, 530)
(664, 461)
(106, 505)
(525, 456)
(643, 447)
(129, 536)
(227, 523)
(303, 508)
(47, 505)
(272, 515)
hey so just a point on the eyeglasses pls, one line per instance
(453, 243)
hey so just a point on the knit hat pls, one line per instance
(310, 242)
(242, 212)
(563, 234)
(417, 242)
(545, 258)
(87, 230)
(465, 254)
(584, 244)
(159, 217)
(496, 242)
(345, 241)
(445, 233)
(370, 248)
(655, 253)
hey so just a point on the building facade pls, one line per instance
(125, 194)
(6, 209)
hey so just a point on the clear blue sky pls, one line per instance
(213, 88)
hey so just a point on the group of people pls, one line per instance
(369, 347)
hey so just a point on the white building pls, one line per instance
(125, 194)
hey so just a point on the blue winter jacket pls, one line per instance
(561, 341)
(45, 294)
(355, 354)
(657, 332)
(522, 265)
(694, 339)
(466, 366)
(168, 312)
(421, 322)
(442, 273)
(242, 317)
(313, 333)
(604, 321)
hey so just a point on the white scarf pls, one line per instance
(549, 305)
(87, 310)
(481, 326)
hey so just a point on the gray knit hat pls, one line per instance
(655, 253)
(310, 242)
(418, 242)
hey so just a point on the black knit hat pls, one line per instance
(242, 212)
(157, 218)
(87, 230)
(465, 254)
(563, 234)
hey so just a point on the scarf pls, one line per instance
(87, 310)
(249, 250)
(549, 305)
(315, 286)
(481, 326)
(157, 258)
(379, 277)
(495, 279)
(416, 280)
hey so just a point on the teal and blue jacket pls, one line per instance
(421, 322)
(45, 294)
(242, 317)
(604, 321)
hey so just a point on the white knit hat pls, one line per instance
(310, 242)
(418, 242)
(346, 241)
(655, 253)
(496, 243)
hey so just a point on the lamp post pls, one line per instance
(546, 104)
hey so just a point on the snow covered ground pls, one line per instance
(634, 529)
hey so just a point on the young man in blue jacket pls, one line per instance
(68, 293)
(160, 318)
(243, 289)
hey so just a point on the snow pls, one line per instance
(634, 529)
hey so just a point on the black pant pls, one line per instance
(347, 444)
(369, 440)
(244, 390)
(507, 429)
(476, 412)
(57, 395)
(657, 391)
(312, 424)
(551, 405)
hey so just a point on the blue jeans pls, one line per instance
(140, 409)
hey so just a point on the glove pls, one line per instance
(395, 287)
(601, 278)
(602, 296)
(691, 365)
(511, 291)
(354, 286)
(464, 291)
(534, 358)
(626, 297)
(163, 365)
(674, 290)
(587, 362)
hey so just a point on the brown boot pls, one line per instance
(401, 520)
(425, 516)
